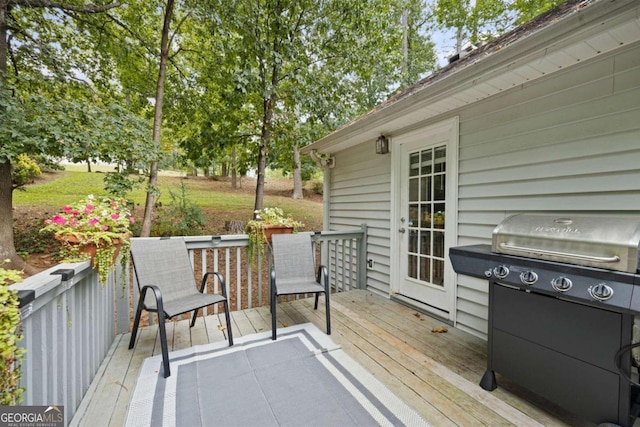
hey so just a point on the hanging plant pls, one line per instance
(94, 229)
(268, 221)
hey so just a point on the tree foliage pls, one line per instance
(234, 85)
(482, 20)
(294, 70)
(47, 106)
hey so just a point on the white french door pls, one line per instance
(425, 217)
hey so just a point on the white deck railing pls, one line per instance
(69, 320)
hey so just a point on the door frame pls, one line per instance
(451, 128)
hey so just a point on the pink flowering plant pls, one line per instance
(102, 222)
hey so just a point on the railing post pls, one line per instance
(122, 297)
(362, 259)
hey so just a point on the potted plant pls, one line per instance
(95, 229)
(267, 222)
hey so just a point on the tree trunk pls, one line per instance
(262, 166)
(267, 116)
(234, 171)
(157, 120)
(88, 165)
(7, 244)
(262, 157)
(297, 174)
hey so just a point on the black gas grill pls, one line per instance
(563, 295)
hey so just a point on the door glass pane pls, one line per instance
(414, 216)
(413, 267)
(425, 188)
(440, 159)
(438, 216)
(413, 241)
(438, 272)
(438, 187)
(425, 269)
(425, 242)
(426, 163)
(438, 244)
(414, 196)
(414, 164)
(426, 214)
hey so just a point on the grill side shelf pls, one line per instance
(473, 260)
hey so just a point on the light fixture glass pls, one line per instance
(382, 145)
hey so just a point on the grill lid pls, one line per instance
(595, 241)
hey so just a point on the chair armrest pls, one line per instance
(223, 287)
(157, 295)
(323, 272)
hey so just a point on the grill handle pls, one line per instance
(614, 258)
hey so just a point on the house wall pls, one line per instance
(360, 192)
(569, 142)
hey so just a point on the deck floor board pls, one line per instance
(435, 373)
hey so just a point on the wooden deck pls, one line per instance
(435, 373)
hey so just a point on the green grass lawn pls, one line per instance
(218, 199)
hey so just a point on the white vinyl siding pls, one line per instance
(360, 191)
(567, 143)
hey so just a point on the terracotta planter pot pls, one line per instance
(89, 248)
(270, 230)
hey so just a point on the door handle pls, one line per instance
(401, 230)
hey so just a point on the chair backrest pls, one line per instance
(293, 256)
(164, 263)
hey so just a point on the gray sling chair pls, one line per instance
(167, 285)
(293, 273)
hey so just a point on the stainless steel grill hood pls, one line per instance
(589, 240)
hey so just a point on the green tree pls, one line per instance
(296, 62)
(482, 20)
(529, 9)
(473, 21)
(47, 107)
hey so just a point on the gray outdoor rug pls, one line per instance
(302, 379)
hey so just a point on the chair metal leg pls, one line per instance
(136, 322)
(273, 315)
(194, 317)
(161, 318)
(228, 319)
(163, 345)
(326, 302)
(315, 307)
(273, 297)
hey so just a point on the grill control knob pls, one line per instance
(528, 277)
(601, 291)
(501, 271)
(561, 284)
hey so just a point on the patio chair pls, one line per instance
(293, 273)
(168, 287)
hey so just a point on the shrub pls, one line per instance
(181, 218)
(10, 334)
(317, 187)
(24, 170)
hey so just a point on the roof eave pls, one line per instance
(474, 77)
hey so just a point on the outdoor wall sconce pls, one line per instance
(382, 145)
